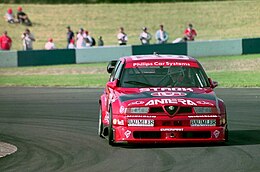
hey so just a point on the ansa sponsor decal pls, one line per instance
(165, 89)
(170, 101)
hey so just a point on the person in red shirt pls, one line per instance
(5, 41)
(190, 33)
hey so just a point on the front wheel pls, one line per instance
(100, 123)
(110, 129)
(226, 135)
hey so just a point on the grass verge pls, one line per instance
(229, 71)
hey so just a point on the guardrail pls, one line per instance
(107, 53)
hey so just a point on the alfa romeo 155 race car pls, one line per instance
(160, 99)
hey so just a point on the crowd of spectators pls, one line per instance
(82, 38)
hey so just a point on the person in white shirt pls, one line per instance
(88, 39)
(50, 44)
(161, 36)
(28, 39)
(9, 16)
(71, 44)
(145, 36)
(81, 43)
(122, 37)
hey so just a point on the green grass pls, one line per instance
(86, 80)
(213, 20)
(229, 71)
(236, 79)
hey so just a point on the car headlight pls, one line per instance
(204, 110)
(137, 110)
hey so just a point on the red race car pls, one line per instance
(160, 99)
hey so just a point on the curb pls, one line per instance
(6, 149)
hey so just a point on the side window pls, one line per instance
(115, 71)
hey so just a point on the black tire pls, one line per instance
(110, 129)
(226, 135)
(100, 124)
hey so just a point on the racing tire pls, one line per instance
(226, 135)
(100, 124)
(110, 129)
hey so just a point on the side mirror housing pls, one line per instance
(112, 84)
(213, 84)
(111, 66)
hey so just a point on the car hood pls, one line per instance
(167, 96)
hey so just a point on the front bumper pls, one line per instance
(169, 134)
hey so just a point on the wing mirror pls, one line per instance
(111, 66)
(112, 84)
(213, 84)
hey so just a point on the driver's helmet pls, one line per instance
(176, 71)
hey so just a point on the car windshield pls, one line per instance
(164, 76)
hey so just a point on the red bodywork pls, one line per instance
(166, 114)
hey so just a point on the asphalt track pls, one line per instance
(55, 129)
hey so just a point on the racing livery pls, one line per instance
(160, 99)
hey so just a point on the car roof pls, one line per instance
(143, 58)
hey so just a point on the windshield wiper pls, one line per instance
(138, 83)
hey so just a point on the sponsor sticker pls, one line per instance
(166, 89)
(160, 63)
(203, 116)
(171, 129)
(202, 122)
(106, 118)
(141, 116)
(141, 122)
(122, 109)
(216, 133)
(118, 122)
(127, 133)
(170, 101)
(168, 94)
(136, 103)
(204, 103)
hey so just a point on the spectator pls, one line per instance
(28, 39)
(50, 44)
(81, 43)
(71, 44)
(5, 41)
(190, 33)
(145, 36)
(88, 39)
(100, 41)
(22, 17)
(122, 37)
(161, 36)
(9, 16)
(70, 36)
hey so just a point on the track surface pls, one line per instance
(55, 129)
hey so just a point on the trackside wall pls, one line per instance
(8, 59)
(251, 46)
(101, 54)
(46, 57)
(177, 48)
(107, 53)
(215, 48)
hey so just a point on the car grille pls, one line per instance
(147, 134)
(181, 135)
(181, 110)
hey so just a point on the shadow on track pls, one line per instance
(244, 137)
(236, 137)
